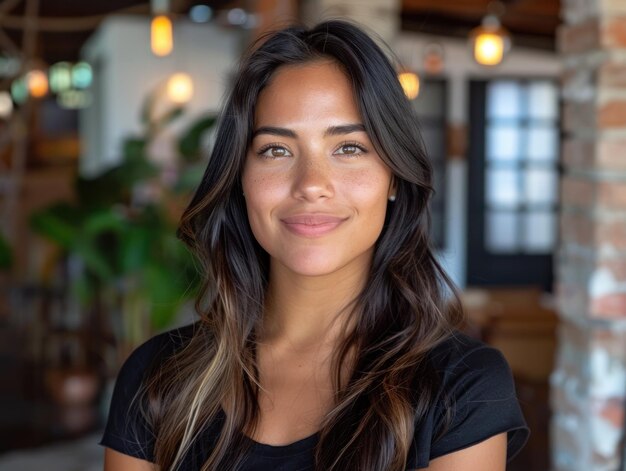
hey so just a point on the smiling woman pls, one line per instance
(316, 201)
(327, 337)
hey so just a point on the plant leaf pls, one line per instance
(189, 145)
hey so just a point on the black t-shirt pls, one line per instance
(474, 375)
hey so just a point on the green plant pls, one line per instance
(126, 243)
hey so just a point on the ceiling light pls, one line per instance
(180, 88)
(410, 84)
(490, 41)
(161, 37)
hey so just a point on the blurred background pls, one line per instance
(107, 111)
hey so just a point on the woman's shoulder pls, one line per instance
(459, 352)
(127, 430)
(159, 347)
(477, 399)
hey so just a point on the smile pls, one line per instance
(312, 225)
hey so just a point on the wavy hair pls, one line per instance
(408, 304)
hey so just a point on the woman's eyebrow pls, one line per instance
(275, 131)
(330, 131)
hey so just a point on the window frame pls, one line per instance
(438, 226)
(499, 269)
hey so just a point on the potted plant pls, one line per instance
(134, 274)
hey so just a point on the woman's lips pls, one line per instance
(311, 225)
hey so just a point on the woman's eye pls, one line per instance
(351, 149)
(273, 152)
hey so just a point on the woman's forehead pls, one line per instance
(307, 94)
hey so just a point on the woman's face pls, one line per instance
(316, 191)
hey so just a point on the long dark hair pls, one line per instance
(407, 306)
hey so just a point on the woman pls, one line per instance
(327, 334)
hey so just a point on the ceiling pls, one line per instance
(532, 23)
(64, 25)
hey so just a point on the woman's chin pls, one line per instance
(321, 263)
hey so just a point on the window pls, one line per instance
(513, 186)
(430, 106)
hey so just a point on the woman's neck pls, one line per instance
(304, 312)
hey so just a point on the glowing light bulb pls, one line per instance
(82, 75)
(161, 38)
(489, 49)
(37, 83)
(6, 104)
(410, 84)
(19, 90)
(490, 41)
(60, 77)
(180, 88)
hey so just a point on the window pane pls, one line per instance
(543, 100)
(501, 231)
(539, 232)
(542, 143)
(503, 142)
(503, 187)
(540, 186)
(504, 99)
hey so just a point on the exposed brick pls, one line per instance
(614, 32)
(609, 306)
(611, 154)
(612, 114)
(572, 300)
(587, 154)
(608, 289)
(578, 153)
(580, 37)
(613, 6)
(612, 74)
(612, 410)
(611, 233)
(589, 383)
(611, 340)
(611, 194)
(577, 11)
(577, 192)
(576, 228)
(617, 268)
(578, 84)
(578, 116)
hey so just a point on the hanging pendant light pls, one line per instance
(180, 88)
(490, 41)
(161, 35)
(161, 38)
(410, 84)
(37, 83)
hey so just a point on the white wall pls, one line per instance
(459, 69)
(125, 71)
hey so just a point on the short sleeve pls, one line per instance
(126, 430)
(484, 403)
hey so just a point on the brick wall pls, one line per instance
(589, 382)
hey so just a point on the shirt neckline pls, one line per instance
(295, 448)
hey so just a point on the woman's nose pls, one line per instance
(312, 178)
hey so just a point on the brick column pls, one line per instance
(589, 382)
